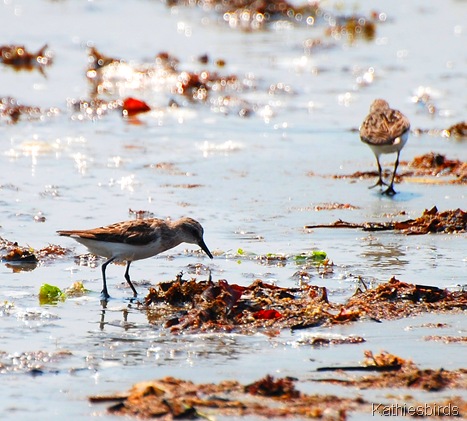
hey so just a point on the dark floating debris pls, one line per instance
(431, 221)
(18, 57)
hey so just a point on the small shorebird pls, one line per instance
(137, 239)
(385, 130)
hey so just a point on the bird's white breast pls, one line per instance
(120, 251)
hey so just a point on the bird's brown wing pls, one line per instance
(383, 128)
(138, 232)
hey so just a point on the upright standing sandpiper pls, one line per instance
(385, 131)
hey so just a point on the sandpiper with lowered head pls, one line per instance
(385, 131)
(137, 239)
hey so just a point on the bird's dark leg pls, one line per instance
(127, 277)
(104, 292)
(390, 190)
(380, 181)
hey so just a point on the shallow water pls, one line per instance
(255, 192)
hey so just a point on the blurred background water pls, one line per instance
(253, 182)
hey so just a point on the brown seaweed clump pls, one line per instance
(26, 258)
(431, 168)
(395, 299)
(396, 372)
(208, 306)
(170, 398)
(431, 221)
(251, 15)
(435, 164)
(458, 130)
(352, 27)
(254, 15)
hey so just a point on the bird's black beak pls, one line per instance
(203, 245)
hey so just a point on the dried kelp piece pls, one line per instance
(254, 15)
(97, 60)
(168, 168)
(383, 359)
(431, 168)
(251, 15)
(268, 386)
(20, 58)
(431, 221)
(12, 111)
(334, 206)
(395, 299)
(219, 306)
(365, 175)
(190, 305)
(51, 251)
(352, 27)
(446, 339)
(26, 258)
(458, 130)
(397, 372)
(19, 255)
(435, 164)
(319, 341)
(173, 398)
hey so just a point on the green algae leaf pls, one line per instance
(316, 257)
(50, 294)
(245, 253)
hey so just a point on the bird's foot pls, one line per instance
(105, 295)
(389, 191)
(379, 183)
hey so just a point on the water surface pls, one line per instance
(258, 182)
